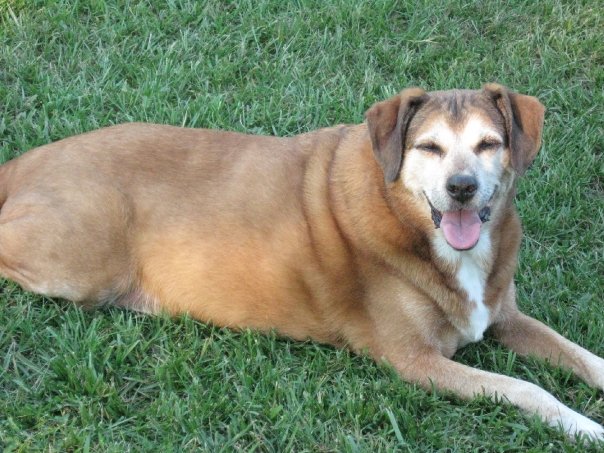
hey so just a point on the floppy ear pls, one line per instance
(523, 118)
(387, 122)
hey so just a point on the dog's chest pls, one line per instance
(471, 276)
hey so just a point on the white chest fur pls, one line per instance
(471, 276)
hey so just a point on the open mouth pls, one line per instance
(461, 227)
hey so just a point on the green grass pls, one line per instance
(112, 380)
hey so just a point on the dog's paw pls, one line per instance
(597, 365)
(578, 426)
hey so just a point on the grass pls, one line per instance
(117, 381)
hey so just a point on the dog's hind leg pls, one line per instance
(71, 245)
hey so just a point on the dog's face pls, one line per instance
(455, 158)
(457, 152)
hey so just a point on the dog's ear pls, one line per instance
(523, 118)
(387, 122)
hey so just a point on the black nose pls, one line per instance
(462, 187)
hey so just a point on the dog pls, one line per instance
(396, 238)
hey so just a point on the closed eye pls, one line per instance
(488, 144)
(429, 147)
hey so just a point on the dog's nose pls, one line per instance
(462, 187)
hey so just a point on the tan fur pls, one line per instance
(325, 235)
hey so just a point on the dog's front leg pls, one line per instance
(429, 368)
(527, 336)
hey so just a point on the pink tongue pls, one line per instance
(461, 228)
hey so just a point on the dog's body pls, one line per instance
(329, 235)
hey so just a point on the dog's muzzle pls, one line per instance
(484, 214)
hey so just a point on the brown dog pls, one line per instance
(397, 236)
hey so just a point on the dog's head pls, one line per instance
(458, 152)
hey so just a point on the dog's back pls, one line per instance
(160, 218)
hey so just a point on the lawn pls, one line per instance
(112, 380)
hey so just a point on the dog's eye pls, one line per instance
(488, 145)
(430, 148)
